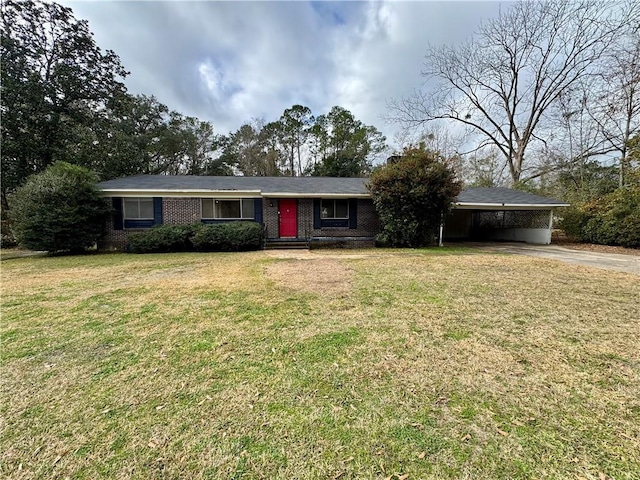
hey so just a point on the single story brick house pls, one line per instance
(309, 209)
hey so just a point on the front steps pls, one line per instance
(286, 244)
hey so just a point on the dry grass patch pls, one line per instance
(323, 276)
(435, 365)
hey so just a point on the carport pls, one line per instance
(502, 214)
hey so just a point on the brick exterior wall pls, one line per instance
(175, 211)
(368, 222)
(113, 239)
(270, 216)
(179, 211)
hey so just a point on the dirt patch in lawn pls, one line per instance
(320, 276)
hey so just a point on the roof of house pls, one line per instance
(267, 186)
(160, 185)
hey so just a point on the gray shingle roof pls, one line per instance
(304, 186)
(266, 185)
(503, 196)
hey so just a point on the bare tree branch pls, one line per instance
(503, 82)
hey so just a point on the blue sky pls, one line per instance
(229, 62)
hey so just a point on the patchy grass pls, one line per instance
(376, 365)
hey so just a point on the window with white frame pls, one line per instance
(138, 208)
(335, 209)
(227, 209)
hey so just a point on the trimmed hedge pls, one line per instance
(228, 237)
(162, 239)
(222, 237)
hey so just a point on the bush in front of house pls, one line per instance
(162, 239)
(58, 210)
(228, 237)
(411, 194)
(222, 237)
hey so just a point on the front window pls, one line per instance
(237, 209)
(138, 208)
(335, 209)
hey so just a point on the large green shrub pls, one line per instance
(60, 209)
(612, 220)
(573, 221)
(228, 237)
(411, 195)
(162, 238)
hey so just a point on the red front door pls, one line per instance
(288, 217)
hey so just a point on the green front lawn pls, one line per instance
(442, 364)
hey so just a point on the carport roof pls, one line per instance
(301, 187)
(503, 197)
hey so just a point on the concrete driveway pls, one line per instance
(607, 261)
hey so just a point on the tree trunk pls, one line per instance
(515, 165)
(293, 170)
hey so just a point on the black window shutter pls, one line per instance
(157, 210)
(116, 203)
(257, 210)
(316, 214)
(353, 213)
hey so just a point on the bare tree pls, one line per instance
(576, 138)
(485, 168)
(617, 112)
(501, 83)
(437, 138)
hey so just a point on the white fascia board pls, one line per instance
(315, 195)
(507, 206)
(116, 192)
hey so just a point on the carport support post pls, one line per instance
(550, 224)
(440, 240)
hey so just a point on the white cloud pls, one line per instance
(210, 76)
(228, 62)
(382, 59)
